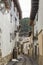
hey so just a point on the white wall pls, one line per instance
(7, 27)
(40, 15)
(35, 28)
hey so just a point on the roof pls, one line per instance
(34, 9)
(16, 3)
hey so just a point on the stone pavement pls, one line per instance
(23, 60)
(34, 61)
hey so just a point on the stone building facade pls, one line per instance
(9, 23)
(38, 8)
(39, 29)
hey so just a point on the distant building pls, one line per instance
(10, 14)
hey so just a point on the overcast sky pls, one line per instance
(26, 7)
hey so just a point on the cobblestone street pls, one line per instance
(28, 61)
(23, 60)
(21, 32)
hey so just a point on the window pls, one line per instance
(15, 33)
(0, 53)
(37, 18)
(12, 37)
(11, 18)
(0, 30)
(15, 19)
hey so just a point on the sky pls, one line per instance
(25, 7)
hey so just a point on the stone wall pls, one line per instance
(40, 40)
(6, 59)
(40, 43)
(40, 60)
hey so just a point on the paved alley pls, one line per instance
(28, 60)
(21, 32)
(23, 60)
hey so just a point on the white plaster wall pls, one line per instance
(7, 28)
(40, 15)
(4, 24)
(35, 28)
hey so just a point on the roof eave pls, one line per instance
(18, 8)
(34, 10)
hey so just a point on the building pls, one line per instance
(10, 14)
(38, 8)
(27, 44)
(25, 35)
(36, 45)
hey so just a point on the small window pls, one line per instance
(15, 19)
(0, 30)
(12, 37)
(0, 53)
(15, 33)
(37, 18)
(11, 15)
(11, 18)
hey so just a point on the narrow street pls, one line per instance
(23, 60)
(21, 32)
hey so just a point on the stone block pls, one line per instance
(6, 59)
(40, 60)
